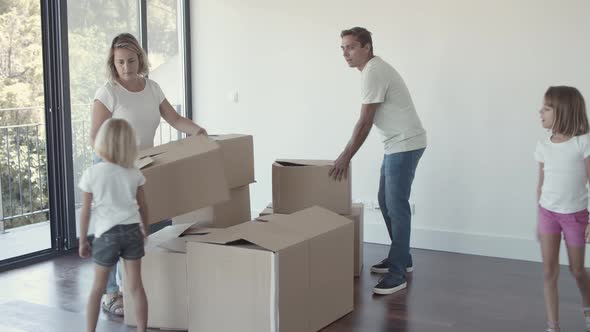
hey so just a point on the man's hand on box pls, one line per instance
(340, 169)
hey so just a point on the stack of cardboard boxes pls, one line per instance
(238, 163)
(289, 271)
(298, 184)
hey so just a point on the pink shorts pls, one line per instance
(573, 225)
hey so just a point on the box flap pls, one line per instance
(223, 137)
(178, 244)
(270, 236)
(153, 151)
(167, 233)
(312, 221)
(178, 149)
(303, 162)
(143, 162)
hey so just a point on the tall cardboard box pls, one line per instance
(290, 273)
(183, 176)
(238, 158)
(163, 272)
(299, 184)
(357, 216)
(232, 212)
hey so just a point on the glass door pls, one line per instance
(25, 227)
(92, 25)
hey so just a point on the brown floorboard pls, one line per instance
(446, 292)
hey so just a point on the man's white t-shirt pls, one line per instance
(140, 109)
(564, 185)
(396, 118)
(114, 193)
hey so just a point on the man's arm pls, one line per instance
(360, 133)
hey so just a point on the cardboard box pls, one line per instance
(182, 176)
(222, 215)
(238, 158)
(163, 272)
(357, 216)
(289, 273)
(299, 184)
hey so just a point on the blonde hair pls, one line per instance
(570, 110)
(116, 143)
(129, 42)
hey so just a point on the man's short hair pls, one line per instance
(362, 35)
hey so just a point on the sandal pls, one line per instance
(587, 317)
(113, 306)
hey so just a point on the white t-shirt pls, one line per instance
(564, 185)
(396, 119)
(140, 109)
(114, 193)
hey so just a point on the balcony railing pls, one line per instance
(23, 166)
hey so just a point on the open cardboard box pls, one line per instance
(357, 216)
(164, 277)
(182, 176)
(232, 212)
(299, 184)
(286, 273)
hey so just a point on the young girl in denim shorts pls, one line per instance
(564, 168)
(115, 189)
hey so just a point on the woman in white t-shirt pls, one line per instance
(114, 188)
(129, 94)
(564, 170)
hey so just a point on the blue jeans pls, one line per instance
(395, 185)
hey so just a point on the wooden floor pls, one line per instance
(447, 292)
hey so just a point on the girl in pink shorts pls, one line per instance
(564, 168)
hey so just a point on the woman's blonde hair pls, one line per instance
(116, 143)
(129, 42)
(570, 110)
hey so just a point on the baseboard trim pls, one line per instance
(467, 243)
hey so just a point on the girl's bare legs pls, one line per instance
(576, 258)
(550, 251)
(136, 290)
(101, 276)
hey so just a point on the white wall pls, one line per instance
(477, 71)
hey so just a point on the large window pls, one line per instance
(51, 65)
(24, 203)
(166, 40)
(92, 25)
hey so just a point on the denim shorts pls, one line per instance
(125, 241)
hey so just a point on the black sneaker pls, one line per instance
(383, 268)
(389, 285)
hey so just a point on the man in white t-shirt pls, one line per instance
(387, 104)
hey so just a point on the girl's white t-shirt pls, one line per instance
(564, 186)
(114, 193)
(140, 109)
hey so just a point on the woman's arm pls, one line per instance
(179, 122)
(99, 115)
